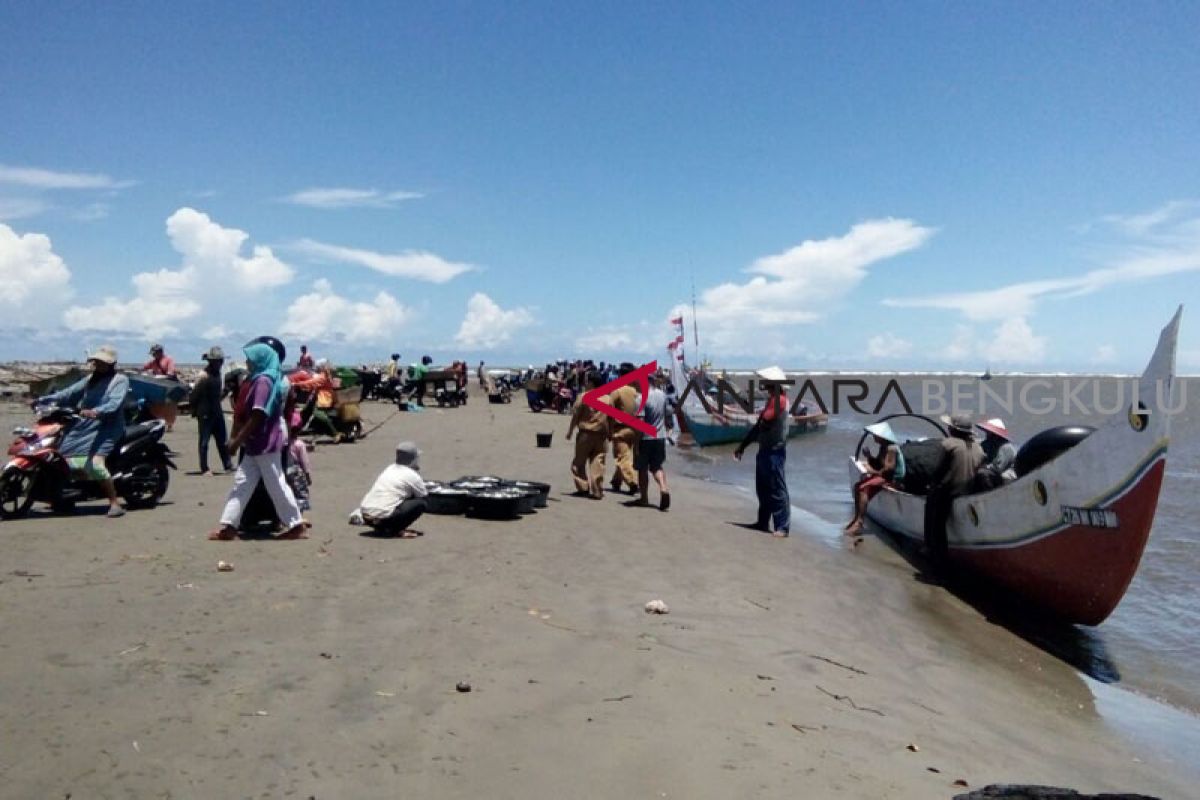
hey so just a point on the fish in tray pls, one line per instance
(500, 503)
(445, 499)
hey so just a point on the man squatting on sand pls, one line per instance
(397, 498)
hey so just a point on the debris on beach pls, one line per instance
(224, 566)
(463, 686)
(1013, 792)
(657, 607)
(912, 748)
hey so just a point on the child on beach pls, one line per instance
(299, 471)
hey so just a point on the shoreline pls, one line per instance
(129, 635)
(1129, 698)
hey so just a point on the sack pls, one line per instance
(348, 412)
(922, 460)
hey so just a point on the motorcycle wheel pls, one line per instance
(16, 493)
(146, 485)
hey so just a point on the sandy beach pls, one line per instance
(327, 668)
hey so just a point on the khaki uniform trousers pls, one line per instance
(624, 446)
(588, 467)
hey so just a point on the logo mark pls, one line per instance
(642, 376)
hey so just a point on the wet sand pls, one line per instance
(326, 668)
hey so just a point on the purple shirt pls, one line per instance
(268, 438)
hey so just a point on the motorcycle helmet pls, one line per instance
(273, 343)
(426, 360)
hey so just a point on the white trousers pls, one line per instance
(268, 467)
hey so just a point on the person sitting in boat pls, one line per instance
(160, 363)
(397, 498)
(883, 469)
(999, 455)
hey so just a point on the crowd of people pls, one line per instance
(267, 429)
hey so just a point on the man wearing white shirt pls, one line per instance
(397, 498)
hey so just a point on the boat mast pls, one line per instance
(695, 328)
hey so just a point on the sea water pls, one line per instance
(1150, 643)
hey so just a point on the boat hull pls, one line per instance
(711, 434)
(1069, 535)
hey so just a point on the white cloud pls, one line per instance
(21, 207)
(152, 318)
(215, 251)
(217, 332)
(1014, 342)
(349, 198)
(799, 285)
(1149, 221)
(961, 346)
(414, 264)
(487, 325)
(212, 273)
(29, 268)
(639, 338)
(92, 212)
(46, 179)
(1105, 354)
(887, 345)
(1165, 243)
(323, 315)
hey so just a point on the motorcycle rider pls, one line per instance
(100, 399)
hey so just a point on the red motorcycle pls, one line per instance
(38, 472)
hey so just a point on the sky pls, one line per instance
(888, 186)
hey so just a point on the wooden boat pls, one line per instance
(47, 384)
(156, 389)
(731, 427)
(1067, 535)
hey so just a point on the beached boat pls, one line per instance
(1068, 534)
(731, 426)
(156, 389)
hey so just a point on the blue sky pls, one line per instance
(885, 186)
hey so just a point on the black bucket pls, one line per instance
(543, 439)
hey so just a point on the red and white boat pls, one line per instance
(1069, 534)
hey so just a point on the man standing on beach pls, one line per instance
(652, 450)
(587, 469)
(771, 430)
(624, 438)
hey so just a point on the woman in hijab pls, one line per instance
(259, 433)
